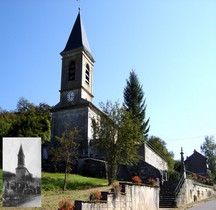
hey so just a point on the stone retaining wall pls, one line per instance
(193, 191)
(134, 198)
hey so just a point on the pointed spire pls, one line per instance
(21, 153)
(21, 157)
(78, 37)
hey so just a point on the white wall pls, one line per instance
(135, 198)
(192, 191)
(154, 159)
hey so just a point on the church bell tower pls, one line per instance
(75, 107)
(21, 158)
(77, 67)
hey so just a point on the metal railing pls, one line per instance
(180, 183)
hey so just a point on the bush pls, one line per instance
(201, 179)
(137, 180)
(65, 204)
(116, 187)
(152, 182)
(95, 195)
(173, 175)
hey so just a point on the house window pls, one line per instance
(87, 74)
(72, 70)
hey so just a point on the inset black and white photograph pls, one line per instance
(21, 172)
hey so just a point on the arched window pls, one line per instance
(87, 74)
(72, 70)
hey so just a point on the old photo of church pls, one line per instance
(22, 172)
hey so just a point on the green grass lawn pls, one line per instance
(79, 188)
(54, 181)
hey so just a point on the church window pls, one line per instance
(72, 70)
(87, 74)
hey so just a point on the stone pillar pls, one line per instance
(183, 170)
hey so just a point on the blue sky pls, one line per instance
(170, 44)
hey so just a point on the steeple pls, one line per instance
(21, 157)
(78, 37)
(77, 68)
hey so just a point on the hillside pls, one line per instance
(79, 187)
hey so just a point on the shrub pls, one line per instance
(152, 182)
(65, 204)
(173, 175)
(95, 195)
(137, 180)
(116, 187)
(194, 176)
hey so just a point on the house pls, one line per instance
(196, 163)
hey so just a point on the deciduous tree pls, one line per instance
(208, 148)
(30, 120)
(66, 151)
(116, 134)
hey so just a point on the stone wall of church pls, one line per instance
(72, 117)
(92, 151)
(21, 172)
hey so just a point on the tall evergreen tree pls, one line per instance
(134, 102)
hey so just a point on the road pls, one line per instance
(208, 205)
(34, 201)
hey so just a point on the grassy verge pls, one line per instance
(79, 188)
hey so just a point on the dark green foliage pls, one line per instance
(6, 121)
(135, 103)
(177, 165)
(208, 148)
(173, 175)
(66, 151)
(27, 120)
(160, 147)
(117, 136)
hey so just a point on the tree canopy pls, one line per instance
(135, 102)
(208, 148)
(115, 133)
(160, 147)
(27, 120)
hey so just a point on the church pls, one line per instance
(21, 170)
(75, 108)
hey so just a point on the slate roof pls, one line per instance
(195, 155)
(21, 153)
(78, 37)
